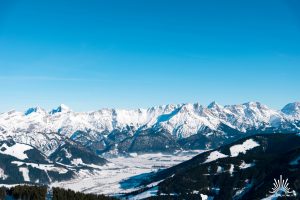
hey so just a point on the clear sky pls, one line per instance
(129, 54)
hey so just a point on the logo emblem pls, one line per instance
(281, 185)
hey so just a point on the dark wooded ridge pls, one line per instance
(28, 192)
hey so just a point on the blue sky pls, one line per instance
(129, 54)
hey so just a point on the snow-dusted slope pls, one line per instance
(45, 130)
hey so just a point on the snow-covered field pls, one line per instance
(123, 173)
(242, 148)
(17, 150)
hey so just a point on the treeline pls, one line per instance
(62, 194)
(26, 192)
(2, 193)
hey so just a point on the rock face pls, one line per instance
(157, 129)
(245, 169)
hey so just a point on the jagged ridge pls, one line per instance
(105, 129)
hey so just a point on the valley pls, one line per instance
(123, 174)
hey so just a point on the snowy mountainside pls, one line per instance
(109, 129)
(245, 169)
(22, 163)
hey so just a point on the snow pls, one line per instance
(149, 193)
(204, 197)
(295, 161)
(154, 184)
(3, 176)
(246, 165)
(35, 110)
(45, 167)
(231, 169)
(214, 156)
(122, 174)
(182, 120)
(239, 194)
(67, 153)
(242, 148)
(17, 150)
(60, 109)
(274, 196)
(25, 173)
(292, 110)
(133, 154)
(219, 169)
(76, 161)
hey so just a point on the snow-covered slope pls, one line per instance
(292, 110)
(45, 130)
(244, 169)
(21, 163)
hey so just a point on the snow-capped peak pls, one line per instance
(34, 110)
(292, 109)
(60, 109)
(254, 104)
(214, 105)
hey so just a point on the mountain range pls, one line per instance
(44, 147)
(157, 129)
